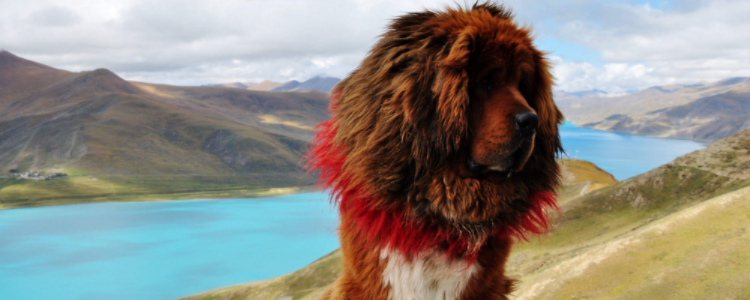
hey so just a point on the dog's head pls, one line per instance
(451, 118)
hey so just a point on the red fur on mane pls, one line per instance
(389, 226)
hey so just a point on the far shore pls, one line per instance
(164, 197)
(704, 143)
(84, 188)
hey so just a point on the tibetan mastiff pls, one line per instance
(440, 154)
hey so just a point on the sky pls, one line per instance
(613, 46)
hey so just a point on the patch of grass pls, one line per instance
(702, 257)
(581, 177)
(660, 256)
(587, 172)
(87, 189)
(727, 156)
(305, 283)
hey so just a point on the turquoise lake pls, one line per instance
(167, 250)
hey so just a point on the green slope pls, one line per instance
(306, 283)
(696, 253)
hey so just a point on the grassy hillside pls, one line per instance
(581, 177)
(609, 225)
(310, 282)
(143, 141)
(695, 253)
(16, 193)
(305, 284)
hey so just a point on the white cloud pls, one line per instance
(642, 46)
(612, 77)
(55, 16)
(189, 42)
(199, 42)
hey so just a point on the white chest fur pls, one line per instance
(428, 276)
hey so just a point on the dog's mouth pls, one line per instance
(506, 165)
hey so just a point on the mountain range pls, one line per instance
(317, 83)
(699, 112)
(266, 85)
(94, 124)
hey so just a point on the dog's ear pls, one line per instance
(547, 141)
(452, 89)
(549, 115)
(542, 167)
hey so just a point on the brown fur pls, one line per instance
(417, 108)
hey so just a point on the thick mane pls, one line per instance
(390, 226)
(400, 118)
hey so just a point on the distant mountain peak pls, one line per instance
(265, 85)
(733, 81)
(94, 83)
(317, 83)
(6, 56)
(10, 61)
(104, 72)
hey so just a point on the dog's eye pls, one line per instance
(485, 83)
(524, 86)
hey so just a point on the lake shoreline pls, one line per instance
(240, 191)
(168, 197)
(702, 142)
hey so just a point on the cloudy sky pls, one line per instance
(614, 46)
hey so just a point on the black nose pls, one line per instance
(526, 123)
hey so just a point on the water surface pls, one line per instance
(159, 250)
(621, 154)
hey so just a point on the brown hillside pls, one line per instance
(700, 112)
(18, 76)
(96, 124)
(706, 119)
